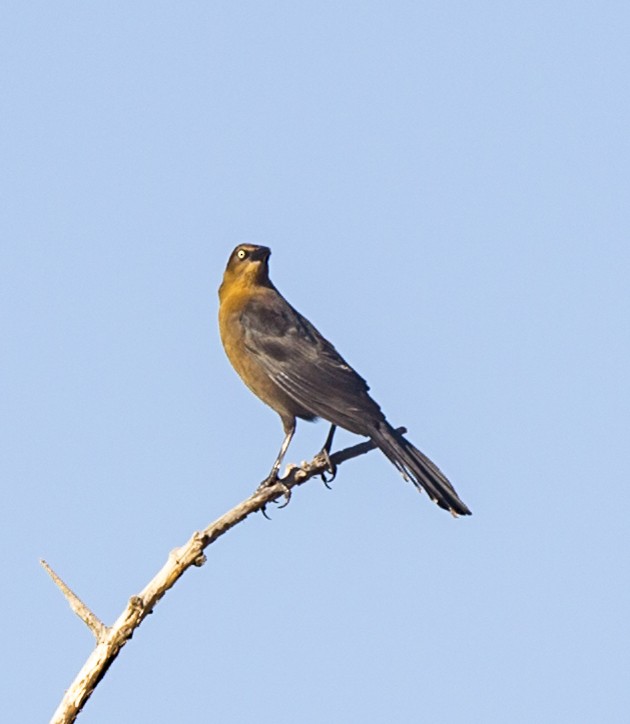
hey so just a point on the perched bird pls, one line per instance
(289, 365)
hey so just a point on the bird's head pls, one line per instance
(248, 265)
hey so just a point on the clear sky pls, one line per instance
(445, 188)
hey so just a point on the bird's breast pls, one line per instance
(247, 366)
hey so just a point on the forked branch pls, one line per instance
(110, 640)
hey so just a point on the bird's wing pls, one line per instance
(305, 365)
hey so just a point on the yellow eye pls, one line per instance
(241, 254)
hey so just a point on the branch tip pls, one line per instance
(92, 621)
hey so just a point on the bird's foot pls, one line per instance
(271, 480)
(331, 468)
(268, 482)
(286, 491)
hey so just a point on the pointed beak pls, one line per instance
(262, 253)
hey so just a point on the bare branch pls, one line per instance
(76, 604)
(111, 640)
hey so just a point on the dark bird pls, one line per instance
(291, 367)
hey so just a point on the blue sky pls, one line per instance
(445, 190)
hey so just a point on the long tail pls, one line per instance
(417, 467)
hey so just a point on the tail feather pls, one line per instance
(415, 466)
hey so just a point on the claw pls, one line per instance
(332, 468)
(287, 495)
(269, 481)
(325, 453)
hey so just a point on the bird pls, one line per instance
(295, 370)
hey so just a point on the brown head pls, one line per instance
(247, 266)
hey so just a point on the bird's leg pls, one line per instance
(325, 453)
(272, 478)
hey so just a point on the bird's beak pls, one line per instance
(261, 253)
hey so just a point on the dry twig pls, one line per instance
(110, 640)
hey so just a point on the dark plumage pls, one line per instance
(286, 362)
